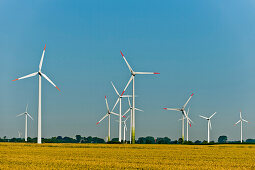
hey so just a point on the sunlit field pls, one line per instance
(116, 156)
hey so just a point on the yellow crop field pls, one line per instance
(121, 156)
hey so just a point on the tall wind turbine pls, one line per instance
(120, 116)
(184, 115)
(130, 110)
(40, 74)
(241, 126)
(109, 119)
(209, 124)
(26, 114)
(133, 73)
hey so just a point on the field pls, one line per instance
(117, 156)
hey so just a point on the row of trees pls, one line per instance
(58, 139)
(141, 140)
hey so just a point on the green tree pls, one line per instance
(180, 140)
(78, 138)
(222, 139)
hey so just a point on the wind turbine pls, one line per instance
(209, 124)
(130, 109)
(241, 126)
(26, 114)
(120, 116)
(109, 119)
(125, 129)
(133, 73)
(20, 134)
(184, 115)
(40, 74)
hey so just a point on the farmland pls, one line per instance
(120, 156)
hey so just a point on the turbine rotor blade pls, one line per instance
(210, 124)
(41, 62)
(212, 115)
(126, 112)
(126, 96)
(114, 114)
(139, 110)
(204, 117)
(47, 78)
(237, 122)
(27, 76)
(172, 109)
(146, 73)
(30, 116)
(116, 103)
(130, 69)
(129, 102)
(107, 106)
(188, 111)
(131, 78)
(115, 89)
(245, 120)
(103, 118)
(26, 108)
(187, 101)
(20, 114)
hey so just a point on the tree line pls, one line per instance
(141, 140)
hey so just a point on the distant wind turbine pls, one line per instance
(209, 124)
(26, 114)
(20, 134)
(241, 126)
(109, 119)
(125, 129)
(184, 115)
(40, 74)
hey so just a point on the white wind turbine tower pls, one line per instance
(241, 126)
(120, 116)
(209, 124)
(26, 114)
(133, 73)
(184, 115)
(109, 119)
(130, 109)
(40, 74)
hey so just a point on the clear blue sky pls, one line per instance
(205, 47)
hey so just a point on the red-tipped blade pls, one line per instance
(124, 116)
(189, 124)
(156, 73)
(97, 123)
(105, 97)
(122, 93)
(122, 54)
(44, 47)
(15, 80)
(192, 94)
(57, 88)
(165, 108)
